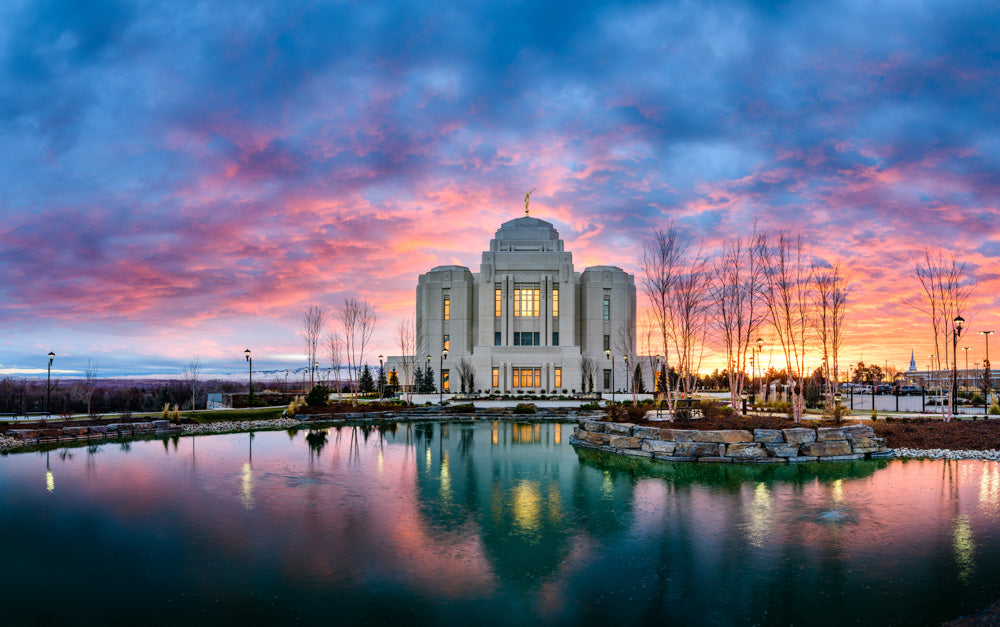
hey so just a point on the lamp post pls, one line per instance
(48, 382)
(986, 368)
(753, 378)
(246, 354)
(965, 377)
(956, 331)
(607, 355)
(850, 377)
(286, 381)
(628, 374)
(425, 372)
(444, 354)
(656, 376)
(380, 358)
(315, 373)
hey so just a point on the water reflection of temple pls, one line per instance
(528, 509)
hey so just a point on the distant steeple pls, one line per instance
(913, 362)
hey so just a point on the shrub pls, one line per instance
(525, 408)
(461, 408)
(319, 396)
(995, 410)
(591, 405)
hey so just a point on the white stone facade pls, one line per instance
(526, 319)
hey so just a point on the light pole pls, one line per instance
(246, 354)
(956, 331)
(425, 370)
(965, 377)
(850, 378)
(607, 355)
(286, 381)
(444, 354)
(753, 378)
(656, 377)
(48, 382)
(628, 375)
(986, 367)
(380, 377)
(315, 373)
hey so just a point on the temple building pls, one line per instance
(527, 321)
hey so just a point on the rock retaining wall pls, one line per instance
(100, 432)
(762, 446)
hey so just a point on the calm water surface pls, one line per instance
(494, 523)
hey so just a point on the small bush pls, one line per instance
(995, 410)
(591, 405)
(319, 396)
(525, 408)
(461, 408)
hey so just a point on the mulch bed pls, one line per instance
(970, 435)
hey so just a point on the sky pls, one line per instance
(182, 179)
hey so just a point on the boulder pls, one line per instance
(799, 435)
(598, 439)
(802, 458)
(758, 460)
(768, 435)
(25, 434)
(827, 434)
(75, 431)
(844, 458)
(159, 424)
(594, 426)
(859, 430)
(624, 441)
(726, 436)
(715, 460)
(618, 428)
(679, 435)
(699, 449)
(782, 449)
(675, 458)
(142, 426)
(636, 453)
(646, 433)
(658, 446)
(826, 448)
(746, 449)
(98, 429)
(862, 444)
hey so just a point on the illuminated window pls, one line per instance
(538, 377)
(555, 338)
(444, 380)
(515, 378)
(555, 302)
(607, 308)
(526, 302)
(496, 338)
(558, 378)
(496, 377)
(447, 308)
(496, 302)
(447, 343)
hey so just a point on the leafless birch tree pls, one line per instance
(738, 310)
(466, 375)
(688, 322)
(660, 262)
(946, 289)
(787, 283)
(406, 339)
(359, 320)
(335, 353)
(830, 293)
(625, 345)
(312, 329)
(588, 369)
(192, 376)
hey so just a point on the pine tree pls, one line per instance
(383, 383)
(367, 382)
(393, 381)
(430, 385)
(637, 382)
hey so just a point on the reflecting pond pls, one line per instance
(494, 522)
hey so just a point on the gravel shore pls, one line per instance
(943, 453)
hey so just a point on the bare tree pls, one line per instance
(312, 329)
(588, 368)
(688, 319)
(625, 344)
(660, 262)
(335, 352)
(786, 292)
(406, 338)
(359, 320)
(466, 375)
(192, 374)
(946, 289)
(830, 294)
(737, 308)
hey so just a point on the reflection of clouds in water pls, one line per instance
(989, 488)
(759, 516)
(965, 548)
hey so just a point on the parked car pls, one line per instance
(883, 388)
(908, 390)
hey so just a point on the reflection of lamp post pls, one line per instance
(50, 480)
(380, 367)
(48, 386)
(246, 354)
(956, 331)
(444, 354)
(607, 354)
